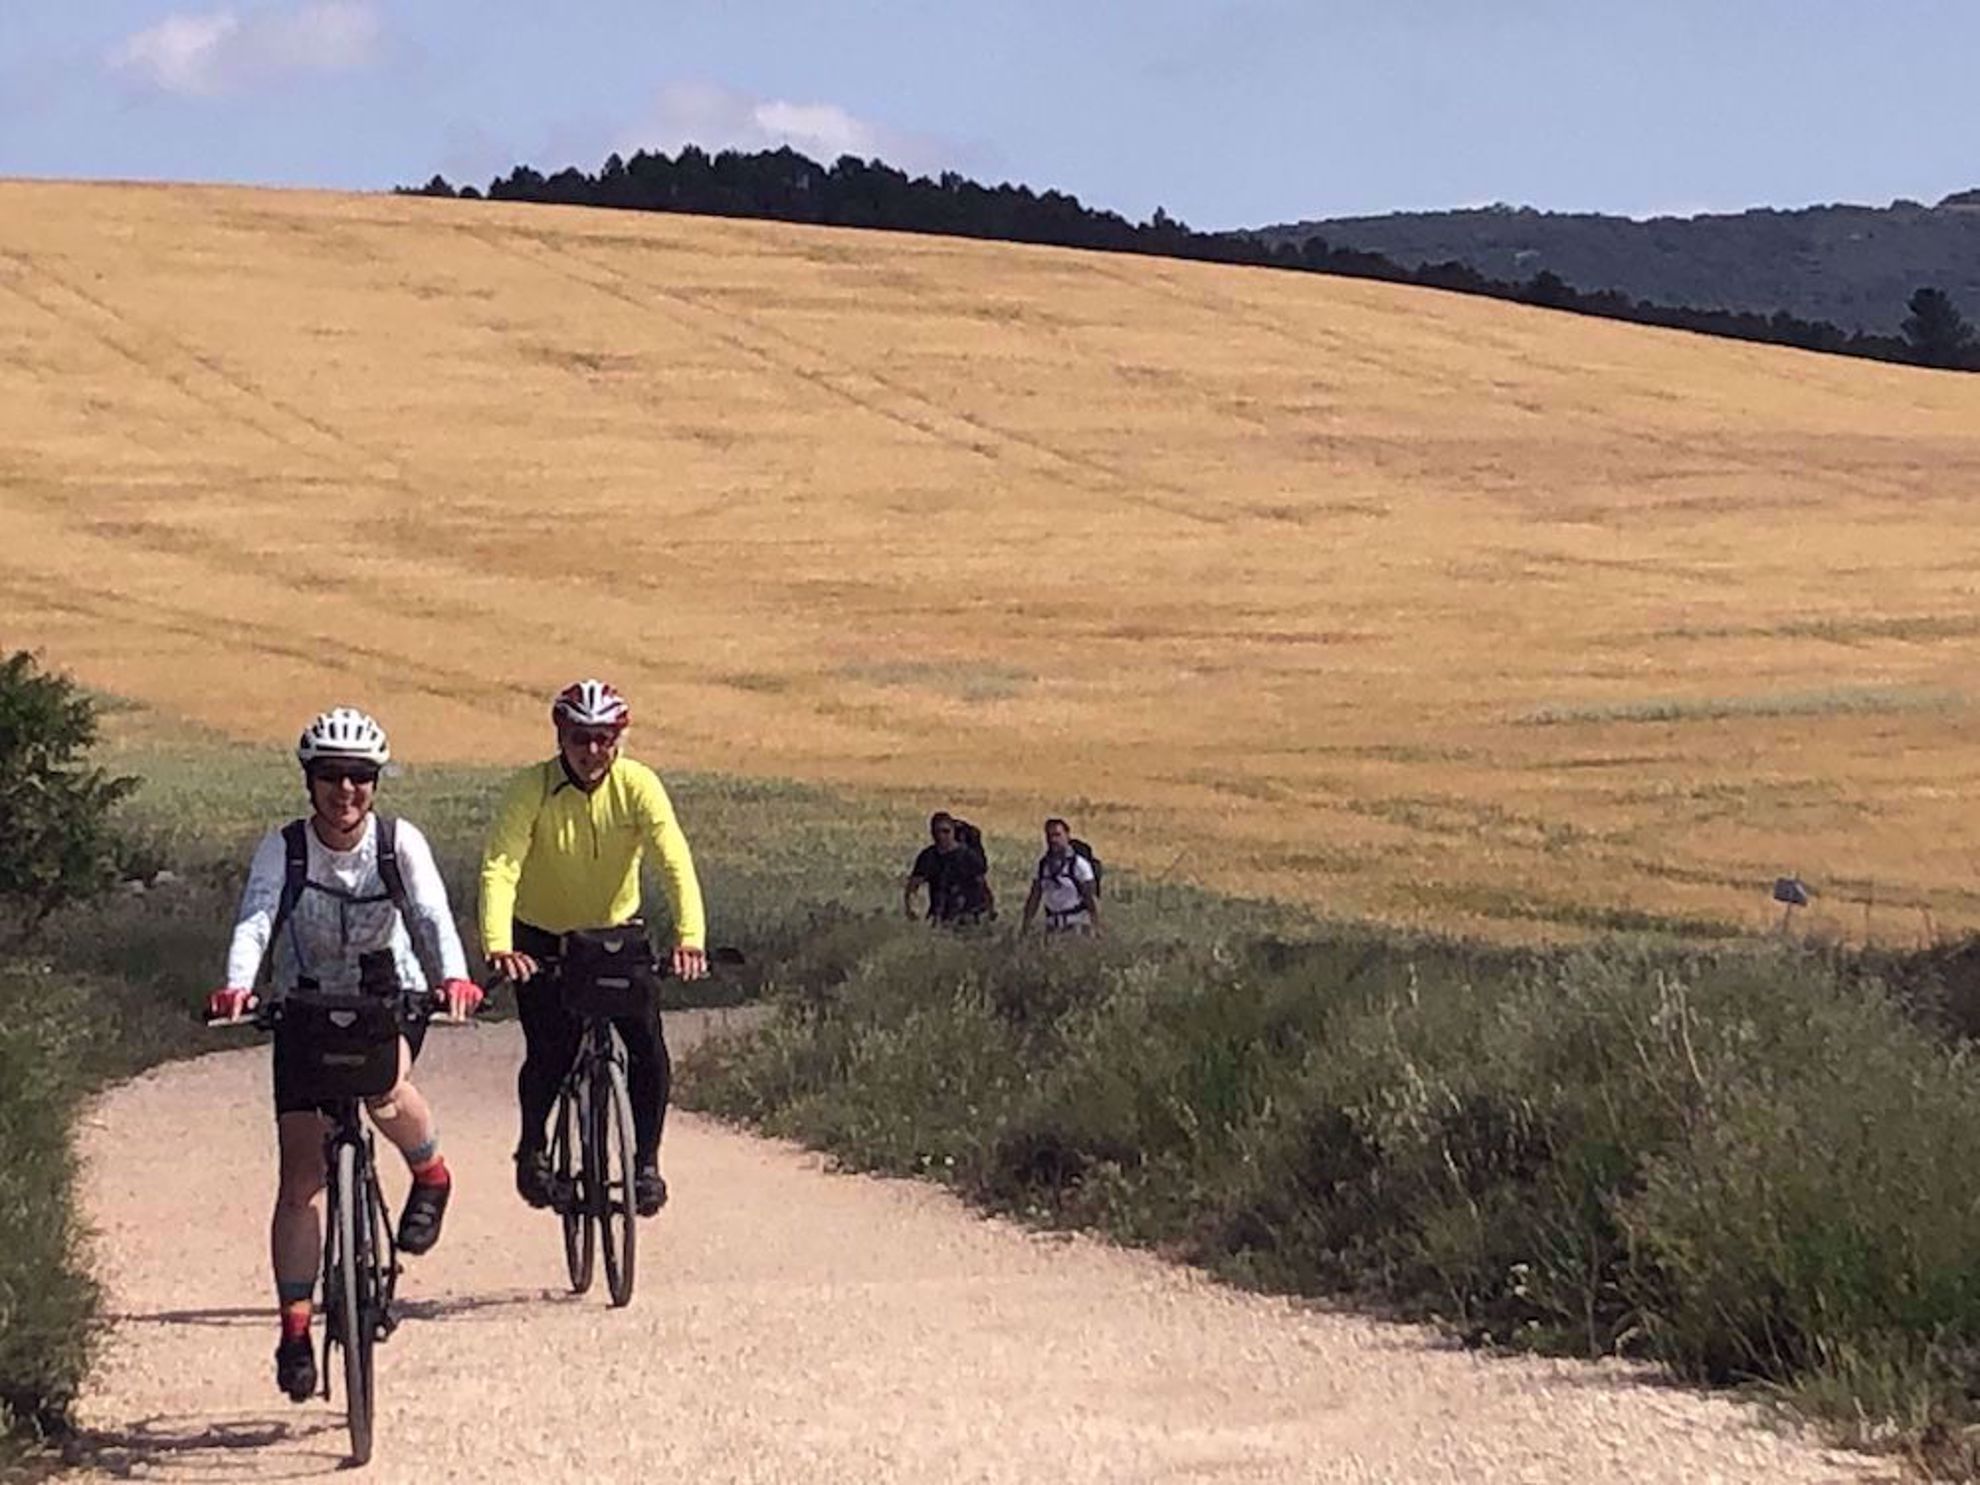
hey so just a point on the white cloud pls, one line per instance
(718, 118)
(181, 54)
(204, 54)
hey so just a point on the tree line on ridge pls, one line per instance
(785, 186)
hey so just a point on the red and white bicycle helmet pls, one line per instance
(590, 703)
(343, 732)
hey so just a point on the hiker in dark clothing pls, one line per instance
(954, 870)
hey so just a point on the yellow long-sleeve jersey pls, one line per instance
(560, 858)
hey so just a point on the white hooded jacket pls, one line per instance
(344, 912)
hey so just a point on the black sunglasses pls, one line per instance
(337, 773)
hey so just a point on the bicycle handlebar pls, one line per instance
(663, 966)
(263, 1011)
(433, 1005)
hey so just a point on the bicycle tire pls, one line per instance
(354, 1332)
(382, 1261)
(616, 1203)
(333, 1280)
(568, 1165)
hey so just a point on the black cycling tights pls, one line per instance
(550, 1043)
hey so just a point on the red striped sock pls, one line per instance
(295, 1318)
(433, 1173)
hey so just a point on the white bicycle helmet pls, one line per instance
(343, 732)
(590, 703)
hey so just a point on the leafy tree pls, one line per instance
(1549, 290)
(57, 844)
(1937, 331)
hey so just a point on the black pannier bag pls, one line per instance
(339, 1046)
(609, 972)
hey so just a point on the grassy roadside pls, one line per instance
(1751, 1163)
(1746, 1162)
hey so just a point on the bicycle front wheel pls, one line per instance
(349, 1202)
(569, 1175)
(614, 1200)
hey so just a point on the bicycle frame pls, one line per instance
(347, 1127)
(592, 1131)
(355, 1216)
(598, 1044)
(593, 1163)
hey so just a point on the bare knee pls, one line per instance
(400, 1099)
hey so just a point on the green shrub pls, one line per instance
(47, 1301)
(57, 845)
(1751, 1163)
(1822, 1225)
(110, 989)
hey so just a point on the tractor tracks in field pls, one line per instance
(357, 471)
(861, 387)
(339, 653)
(196, 374)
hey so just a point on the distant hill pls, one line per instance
(782, 185)
(1853, 266)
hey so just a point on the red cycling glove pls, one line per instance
(463, 997)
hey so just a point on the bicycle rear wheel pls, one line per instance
(351, 1220)
(569, 1172)
(614, 1201)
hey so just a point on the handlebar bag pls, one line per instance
(609, 972)
(342, 1046)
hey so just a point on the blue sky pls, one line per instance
(1232, 114)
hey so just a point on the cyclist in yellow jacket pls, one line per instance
(564, 853)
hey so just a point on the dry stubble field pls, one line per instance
(1400, 603)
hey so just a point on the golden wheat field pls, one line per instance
(1403, 604)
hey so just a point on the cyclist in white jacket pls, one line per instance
(342, 931)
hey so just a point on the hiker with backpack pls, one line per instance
(343, 902)
(1066, 883)
(956, 872)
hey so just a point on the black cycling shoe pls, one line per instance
(295, 1367)
(533, 1177)
(649, 1190)
(419, 1223)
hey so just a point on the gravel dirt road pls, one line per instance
(793, 1324)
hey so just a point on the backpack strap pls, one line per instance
(295, 869)
(393, 875)
(1085, 852)
(295, 877)
(389, 870)
(1068, 870)
(295, 881)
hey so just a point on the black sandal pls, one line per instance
(419, 1224)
